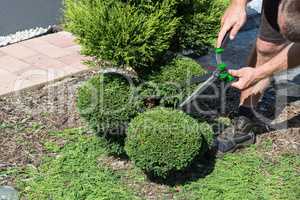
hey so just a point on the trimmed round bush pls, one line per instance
(108, 102)
(162, 141)
(171, 84)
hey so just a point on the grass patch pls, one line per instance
(73, 173)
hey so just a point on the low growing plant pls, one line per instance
(162, 141)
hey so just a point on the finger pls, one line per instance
(235, 30)
(235, 73)
(222, 34)
(237, 85)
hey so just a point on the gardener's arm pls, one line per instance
(287, 58)
(234, 18)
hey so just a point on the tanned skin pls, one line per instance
(265, 60)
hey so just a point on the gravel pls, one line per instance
(24, 35)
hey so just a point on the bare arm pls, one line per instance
(289, 57)
(234, 18)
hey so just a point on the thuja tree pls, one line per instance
(138, 33)
(200, 24)
(122, 32)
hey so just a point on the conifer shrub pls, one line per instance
(107, 102)
(138, 33)
(200, 24)
(122, 32)
(171, 83)
(162, 141)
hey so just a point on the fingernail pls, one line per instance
(231, 37)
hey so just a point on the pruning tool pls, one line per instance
(220, 74)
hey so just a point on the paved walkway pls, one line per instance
(39, 60)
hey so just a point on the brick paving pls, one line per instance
(38, 61)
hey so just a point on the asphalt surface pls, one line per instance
(17, 15)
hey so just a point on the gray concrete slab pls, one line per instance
(16, 15)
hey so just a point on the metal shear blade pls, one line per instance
(202, 86)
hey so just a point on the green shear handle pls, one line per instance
(222, 67)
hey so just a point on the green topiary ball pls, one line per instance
(107, 102)
(171, 84)
(162, 141)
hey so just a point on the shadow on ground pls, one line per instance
(201, 167)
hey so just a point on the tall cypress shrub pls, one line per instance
(122, 32)
(200, 23)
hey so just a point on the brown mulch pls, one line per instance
(286, 141)
(286, 137)
(27, 116)
(52, 105)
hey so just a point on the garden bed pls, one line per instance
(28, 119)
(27, 116)
(128, 140)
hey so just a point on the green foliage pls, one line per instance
(138, 33)
(162, 141)
(200, 24)
(78, 171)
(122, 32)
(248, 175)
(172, 83)
(107, 102)
(74, 174)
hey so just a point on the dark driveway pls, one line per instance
(18, 15)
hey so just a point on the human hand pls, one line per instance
(247, 76)
(234, 18)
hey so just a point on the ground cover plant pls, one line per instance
(248, 175)
(75, 173)
(162, 141)
(81, 164)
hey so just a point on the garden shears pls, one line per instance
(220, 74)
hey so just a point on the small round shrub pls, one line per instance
(107, 102)
(171, 84)
(162, 141)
